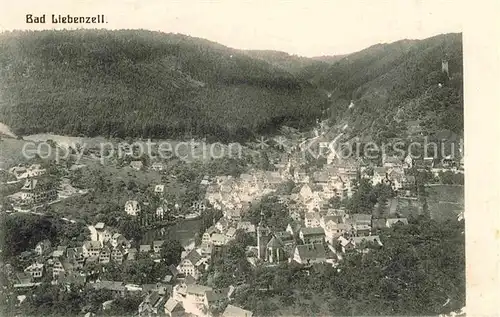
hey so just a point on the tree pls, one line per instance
(171, 252)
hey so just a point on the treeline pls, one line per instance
(144, 84)
(392, 84)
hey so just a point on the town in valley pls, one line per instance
(284, 226)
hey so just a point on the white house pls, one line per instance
(191, 264)
(35, 270)
(132, 207)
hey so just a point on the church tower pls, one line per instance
(263, 234)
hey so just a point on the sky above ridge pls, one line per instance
(301, 27)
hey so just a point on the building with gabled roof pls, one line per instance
(173, 308)
(393, 221)
(234, 311)
(191, 264)
(43, 247)
(312, 235)
(311, 253)
(38, 191)
(132, 207)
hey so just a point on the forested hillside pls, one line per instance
(150, 84)
(300, 66)
(142, 83)
(393, 84)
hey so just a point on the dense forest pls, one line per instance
(393, 84)
(139, 83)
(145, 84)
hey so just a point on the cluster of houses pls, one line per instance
(176, 295)
(23, 172)
(229, 193)
(38, 188)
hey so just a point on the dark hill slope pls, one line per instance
(142, 83)
(394, 84)
(302, 67)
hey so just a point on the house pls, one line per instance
(246, 226)
(132, 207)
(218, 239)
(408, 161)
(395, 177)
(429, 162)
(43, 247)
(104, 255)
(60, 251)
(222, 225)
(76, 257)
(392, 221)
(391, 161)
(159, 189)
(321, 178)
(285, 237)
(102, 232)
(61, 266)
(195, 294)
(310, 253)
(145, 248)
(160, 212)
(306, 192)
(38, 191)
(91, 248)
(345, 244)
(312, 235)
(409, 182)
(234, 311)
(206, 238)
(205, 181)
(379, 175)
(117, 255)
(233, 214)
(312, 219)
(214, 296)
(300, 176)
(190, 265)
(293, 228)
(157, 166)
(157, 245)
(36, 270)
(206, 249)
(137, 165)
(230, 233)
(198, 206)
(117, 239)
(362, 230)
(24, 280)
(334, 230)
(116, 288)
(173, 308)
(151, 305)
(131, 254)
(362, 241)
(327, 218)
(360, 219)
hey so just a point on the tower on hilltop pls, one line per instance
(444, 67)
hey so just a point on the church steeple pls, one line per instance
(262, 237)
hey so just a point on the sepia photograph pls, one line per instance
(232, 159)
